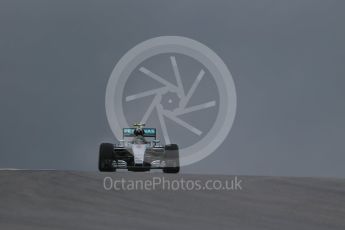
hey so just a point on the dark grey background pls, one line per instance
(286, 57)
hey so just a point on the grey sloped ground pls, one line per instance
(77, 200)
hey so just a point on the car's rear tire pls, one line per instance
(172, 159)
(105, 161)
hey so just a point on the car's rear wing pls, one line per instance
(148, 132)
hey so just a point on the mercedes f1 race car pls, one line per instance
(136, 152)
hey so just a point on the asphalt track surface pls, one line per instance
(78, 200)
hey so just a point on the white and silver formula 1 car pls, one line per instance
(136, 153)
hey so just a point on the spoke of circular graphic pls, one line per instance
(192, 89)
(162, 123)
(146, 93)
(194, 108)
(158, 78)
(177, 76)
(153, 104)
(184, 124)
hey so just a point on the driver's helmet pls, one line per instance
(139, 133)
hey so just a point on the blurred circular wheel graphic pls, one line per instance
(171, 101)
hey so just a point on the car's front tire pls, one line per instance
(106, 158)
(172, 159)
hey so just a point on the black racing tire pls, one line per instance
(106, 151)
(172, 158)
(171, 147)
